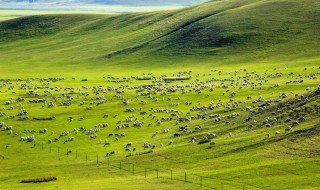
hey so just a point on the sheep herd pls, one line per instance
(192, 108)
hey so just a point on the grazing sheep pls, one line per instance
(198, 128)
(106, 143)
(287, 120)
(230, 134)
(268, 135)
(128, 144)
(301, 119)
(69, 152)
(30, 138)
(288, 128)
(93, 136)
(212, 135)
(146, 145)
(43, 131)
(277, 133)
(7, 128)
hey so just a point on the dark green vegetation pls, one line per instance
(39, 180)
(235, 82)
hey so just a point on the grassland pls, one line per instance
(12, 10)
(261, 43)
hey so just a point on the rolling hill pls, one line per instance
(114, 2)
(222, 95)
(232, 31)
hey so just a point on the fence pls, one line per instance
(205, 182)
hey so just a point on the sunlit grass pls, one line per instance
(245, 40)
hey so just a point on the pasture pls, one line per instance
(103, 114)
(12, 10)
(227, 91)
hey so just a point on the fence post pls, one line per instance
(157, 173)
(67, 152)
(132, 169)
(145, 172)
(201, 181)
(185, 177)
(171, 175)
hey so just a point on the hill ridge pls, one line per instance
(214, 31)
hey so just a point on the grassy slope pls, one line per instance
(220, 32)
(222, 35)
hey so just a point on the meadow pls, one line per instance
(226, 90)
(14, 10)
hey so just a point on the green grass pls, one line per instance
(248, 41)
(11, 11)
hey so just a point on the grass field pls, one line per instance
(251, 68)
(11, 11)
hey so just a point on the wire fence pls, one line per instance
(205, 182)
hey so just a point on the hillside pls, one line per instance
(146, 2)
(228, 31)
(222, 95)
(113, 2)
